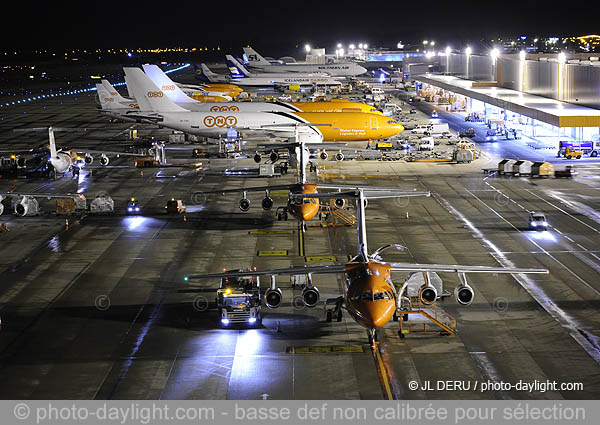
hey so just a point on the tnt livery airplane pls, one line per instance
(156, 107)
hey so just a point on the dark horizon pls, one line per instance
(277, 28)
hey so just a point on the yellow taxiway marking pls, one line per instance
(271, 232)
(385, 383)
(279, 253)
(321, 259)
(325, 349)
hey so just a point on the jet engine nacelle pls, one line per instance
(21, 162)
(104, 160)
(427, 294)
(61, 162)
(257, 158)
(340, 202)
(273, 297)
(27, 206)
(324, 155)
(267, 203)
(273, 156)
(464, 294)
(310, 296)
(244, 204)
(88, 159)
(1, 204)
(339, 156)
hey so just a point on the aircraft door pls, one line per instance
(374, 123)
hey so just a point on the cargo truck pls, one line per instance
(239, 300)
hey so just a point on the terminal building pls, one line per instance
(546, 98)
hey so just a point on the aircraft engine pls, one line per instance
(1, 204)
(257, 158)
(340, 203)
(104, 160)
(427, 294)
(273, 156)
(273, 297)
(22, 162)
(88, 159)
(267, 203)
(310, 296)
(339, 156)
(27, 206)
(324, 155)
(61, 162)
(464, 294)
(244, 204)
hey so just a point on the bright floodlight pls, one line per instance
(351, 46)
(561, 57)
(366, 46)
(307, 48)
(448, 50)
(522, 55)
(468, 51)
(360, 46)
(339, 46)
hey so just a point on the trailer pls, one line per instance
(542, 169)
(522, 168)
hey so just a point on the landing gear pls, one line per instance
(336, 311)
(373, 339)
(282, 214)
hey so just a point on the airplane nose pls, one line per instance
(379, 313)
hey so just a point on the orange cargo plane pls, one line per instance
(369, 295)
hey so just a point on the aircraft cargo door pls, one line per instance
(374, 123)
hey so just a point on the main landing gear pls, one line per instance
(335, 311)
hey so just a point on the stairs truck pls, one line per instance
(239, 301)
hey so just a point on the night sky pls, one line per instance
(276, 27)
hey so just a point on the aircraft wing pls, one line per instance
(408, 267)
(367, 193)
(299, 270)
(83, 150)
(43, 195)
(252, 189)
(151, 119)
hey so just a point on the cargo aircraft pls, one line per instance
(369, 294)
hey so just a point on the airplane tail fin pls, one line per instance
(107, 101)
(167, 85)
(254, 58)
(52, 142)
(147, 94)
(236, 70)
(114, 93)
(203, 73)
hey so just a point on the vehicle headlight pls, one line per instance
(544, 223)
(533, 223)
(129, 209)
(137, 208)
(225, 321)
(252, 320)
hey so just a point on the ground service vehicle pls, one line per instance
(133, 206)
(239, 300)
(470, 132)
(571, 153)
(175, 206)
(537, 221)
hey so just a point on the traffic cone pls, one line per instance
(67, 223)
(278, 326)
(407, 217)
(142, 173)
(184, 218)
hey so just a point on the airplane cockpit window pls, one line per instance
(366, 296)
(381, 296)
(309, 201)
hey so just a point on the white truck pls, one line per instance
(389, 109)
(239, 301)
(438, 130)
